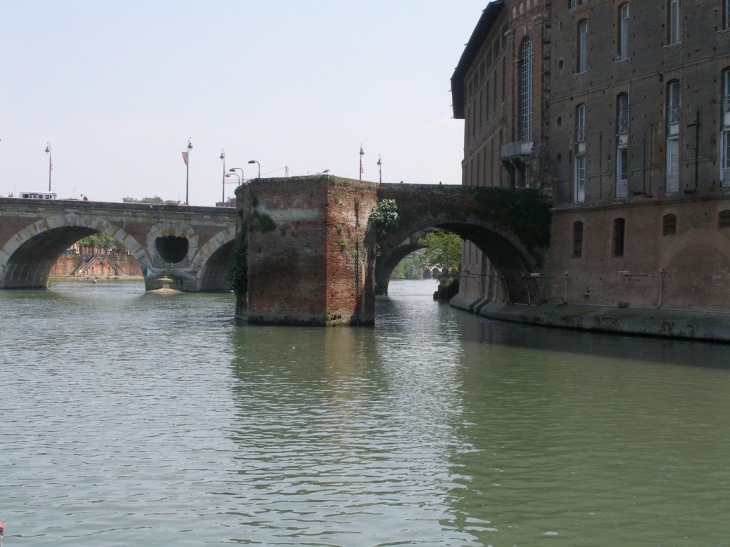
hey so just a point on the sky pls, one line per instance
(117, 87)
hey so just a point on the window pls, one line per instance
(725, 13)
(619, 230)
(725, 134)
(672, 151)
(579, 182)
(577, 239)
(622, 172)
(669, 225)
(723, 219)
(725, 159)
(623, 31)
(673, 22)
(582, 46)
(622, 113)
(526, 92)
(580, 123)
(673, 102)
(672, 165)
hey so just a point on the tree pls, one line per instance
(100, 240)
(442, 249)
(154, 200)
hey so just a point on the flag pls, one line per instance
(185, 157)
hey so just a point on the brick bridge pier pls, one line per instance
(187, 248)
(309, 253)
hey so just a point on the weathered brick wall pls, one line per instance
(306, 262)
(121, 265)
(695, 261)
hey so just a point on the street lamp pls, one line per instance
(234, 169)
(223, 179)
(186, 157)
(50, 164)
(254, 161)
(235, 175)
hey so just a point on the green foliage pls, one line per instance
(238, 270)
(524, 212)
(262, 222)
(442, 249)
(411, 267)
(385, 216)
(156, 200)
(101, 241)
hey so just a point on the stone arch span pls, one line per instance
(26, 258)
(508, 255)
(213, 261)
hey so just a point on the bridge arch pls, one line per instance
(26, 258)
(213, 261)
(506, 252)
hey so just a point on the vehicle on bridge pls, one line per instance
(38, 195)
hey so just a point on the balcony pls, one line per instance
(515, 150)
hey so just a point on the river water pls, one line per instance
(143, 419)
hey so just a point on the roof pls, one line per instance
(478, 36)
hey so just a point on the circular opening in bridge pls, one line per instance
(172, 249)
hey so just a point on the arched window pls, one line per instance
(623, 31)
(619, 232)
(582, 42)
(577, 239)
(526, 91)
(672, 149)
(669, 225)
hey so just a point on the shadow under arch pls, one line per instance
(26, 259)
(214, 260)
(509, 257)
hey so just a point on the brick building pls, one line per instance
(620, 111)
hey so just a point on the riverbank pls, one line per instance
(696, 325)
(92, 278)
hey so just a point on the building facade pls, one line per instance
(620, 112)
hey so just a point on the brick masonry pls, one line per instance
(309, 261)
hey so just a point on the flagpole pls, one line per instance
(223, 195)
(187, 172)
(361, 155)
(50, 164)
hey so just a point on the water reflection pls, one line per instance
(131, 418)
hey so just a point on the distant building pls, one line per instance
(620, 111)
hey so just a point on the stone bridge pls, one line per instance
(312, 253)
(188, 248)
(511, 227)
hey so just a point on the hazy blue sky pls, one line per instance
(118, 86)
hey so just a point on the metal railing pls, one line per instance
(673, 115)
(623, 124)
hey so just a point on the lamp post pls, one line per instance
(186, 157)
(380, 169)
(234, 169)
(254, 161)
(223, 178)
(50, 164)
